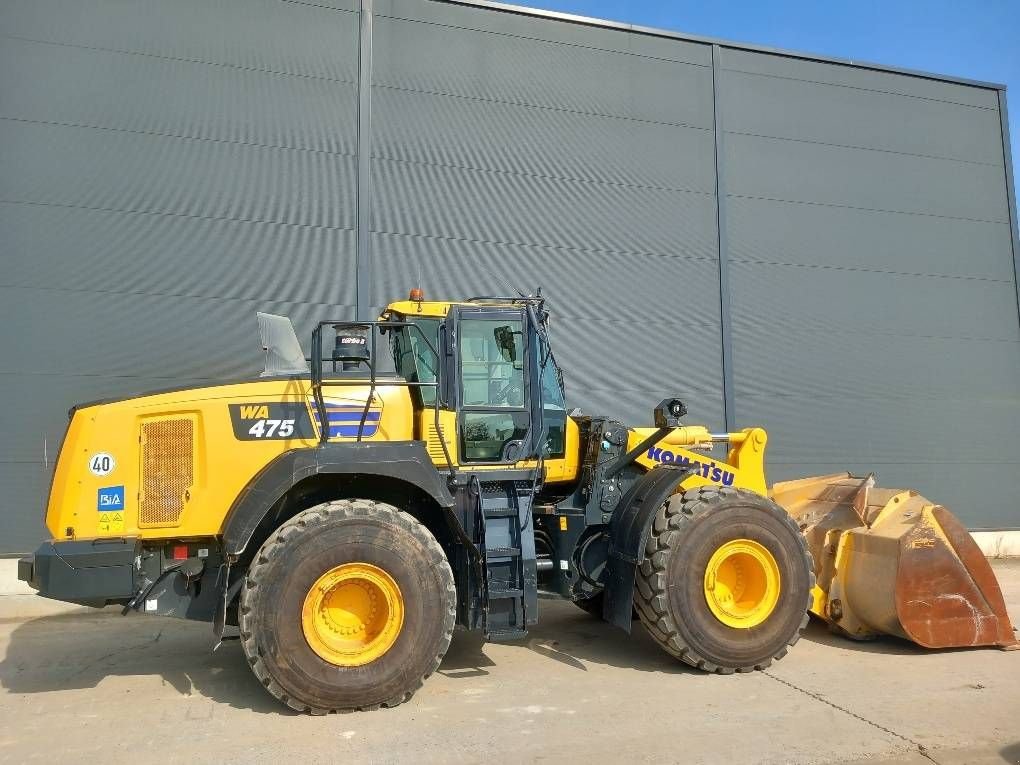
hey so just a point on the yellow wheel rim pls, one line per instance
(742, 583)
(353, 614)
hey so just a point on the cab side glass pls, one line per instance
(486, 434)
(414, 360)
(492, 371)
(492, 379)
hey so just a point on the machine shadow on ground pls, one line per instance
(1011, 753)
(569, 636)
(818, 632)
(78, 651)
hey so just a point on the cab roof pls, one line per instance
(440, 308)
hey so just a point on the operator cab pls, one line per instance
(489, 361)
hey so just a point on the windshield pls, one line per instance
(414, 360)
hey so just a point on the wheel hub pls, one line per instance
(352, 614)
(742, 583)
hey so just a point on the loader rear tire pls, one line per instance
(318, 581)
(672, 595)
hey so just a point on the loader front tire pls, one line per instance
(348, 606)
(725, 583)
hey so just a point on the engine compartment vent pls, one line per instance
(168, 470)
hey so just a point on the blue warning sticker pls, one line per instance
(111, 498)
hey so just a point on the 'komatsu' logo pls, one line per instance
(708, 470)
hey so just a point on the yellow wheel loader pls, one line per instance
(346, 511)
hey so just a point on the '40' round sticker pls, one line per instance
(102, 464)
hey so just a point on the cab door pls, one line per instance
(493, 358)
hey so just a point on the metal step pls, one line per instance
(505, 636)
(510, 569)
(505, 592)
(503, 552)
(500, 512)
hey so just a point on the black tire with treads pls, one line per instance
(289, 563)
(669, 593)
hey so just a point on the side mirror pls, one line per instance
(506, 341)
(669, 412)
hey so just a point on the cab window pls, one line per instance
(492, 387)
(554, 408)
(413, 358)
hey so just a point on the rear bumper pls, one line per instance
(89, 572)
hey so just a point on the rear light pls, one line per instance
(180, 552)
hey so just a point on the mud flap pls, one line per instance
(628, 532)
(229, 596)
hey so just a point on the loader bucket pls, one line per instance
(890, 562)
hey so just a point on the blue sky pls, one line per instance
(976, 39)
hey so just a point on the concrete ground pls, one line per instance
(82, 685)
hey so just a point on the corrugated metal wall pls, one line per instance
(575, 158)
(168, 168)
(872, 287)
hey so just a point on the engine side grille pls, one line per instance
(168, 470)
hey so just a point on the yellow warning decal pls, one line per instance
(111, 523)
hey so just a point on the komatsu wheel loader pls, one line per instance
(345, 512)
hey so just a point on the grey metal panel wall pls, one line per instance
(873, 294)
(168, 168)
(570, 157)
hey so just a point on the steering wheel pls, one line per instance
(512, 393)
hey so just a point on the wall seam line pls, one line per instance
(729, 413)
(1007, 164)
(363, 202)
